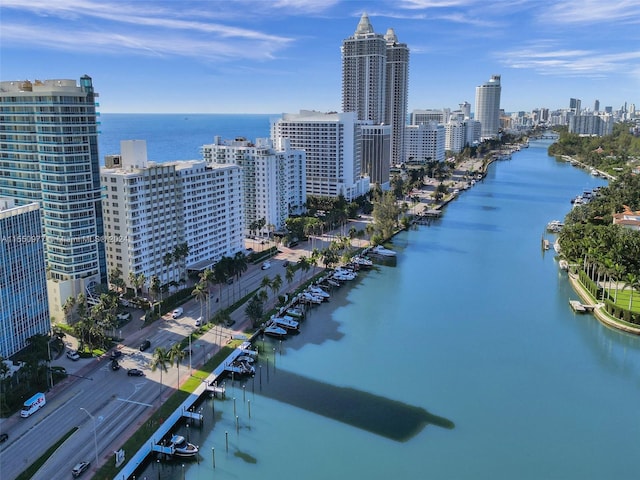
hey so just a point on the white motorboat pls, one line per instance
(362, 261)
(385, 252)
(275, 331)
(310, 297)
(315, 290)
(295, 312)
(182, 448)
(287, 323)
(342, 274)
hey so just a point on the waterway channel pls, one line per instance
(462, 361)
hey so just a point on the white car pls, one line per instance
(266, 265)
(198, 321)
(73, 355)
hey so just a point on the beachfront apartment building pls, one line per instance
(376, 154)
(418, 116)
(274, 180)
(24, 304)
(49, 155)
(333, 147)
(425, 142)
(396, 93)
(152, 209)
(488, 107)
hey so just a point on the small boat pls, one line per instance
(239, 367)
(554, 226)
(362, 261)
(287, 323)
(310, 297)
(318, 291)
(385, 252)
(275, 331)
(294, 312)
(182, 448)
(563, 264)
(577, 306)
(545, 244)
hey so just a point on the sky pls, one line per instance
(275, 56)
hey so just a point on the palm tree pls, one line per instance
(265, 283)
(67, 307)
(167, 260)
(200, 294)
(303, 264)
(176, 355)
(155, 289)
(208, 278)
(160, 360)
(633, 282)
(276, 283)
(289, 274)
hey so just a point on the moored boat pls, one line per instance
(385, 252)
(182, 448)
(275, 331)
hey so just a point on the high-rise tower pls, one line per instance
(364, 58)
(396, 93)
(375, 78)
(49, 155)
(488, 106)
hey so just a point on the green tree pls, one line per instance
(255, 310)
(160, 360)
(176, 354)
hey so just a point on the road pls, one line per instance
(114, 401)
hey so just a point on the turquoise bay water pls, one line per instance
(471, 326)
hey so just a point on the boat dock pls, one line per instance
(579, 307)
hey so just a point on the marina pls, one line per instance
(478, 368)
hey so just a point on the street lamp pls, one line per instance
(95, 436)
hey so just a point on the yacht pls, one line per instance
(315, 290)
(275, 331)
(385, 252)
(285, 322)
(182, 448)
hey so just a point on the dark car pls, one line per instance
(4, 437)
(115, 365)
(144, 345)
(134, 372)
(80, 468)
(285, 264)
(116, 354)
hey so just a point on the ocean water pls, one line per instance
(461, 361)
(172, 137)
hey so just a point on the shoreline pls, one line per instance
(601, 315)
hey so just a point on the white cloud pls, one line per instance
(546, 60)
(592, 12)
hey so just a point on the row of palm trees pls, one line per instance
(163, 358)
(225, 269)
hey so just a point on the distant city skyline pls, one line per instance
(275, 56)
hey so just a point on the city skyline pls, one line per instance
(267, 57)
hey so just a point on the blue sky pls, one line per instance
(273, 56)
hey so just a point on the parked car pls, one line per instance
(4, 437)
(266, 265)
(73, 355)
(144, 345)
(115, 365)
(285, 264)
(124, 316)
(134, 372)
(198, 321)
(80, 468)
(177, 312)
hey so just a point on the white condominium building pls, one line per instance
(24, 308)
(425, 142)
(488, 106)
(274, 180)
(49, 155)
(212, 198)
(152, 209)
(332, 143)
(460, 134)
